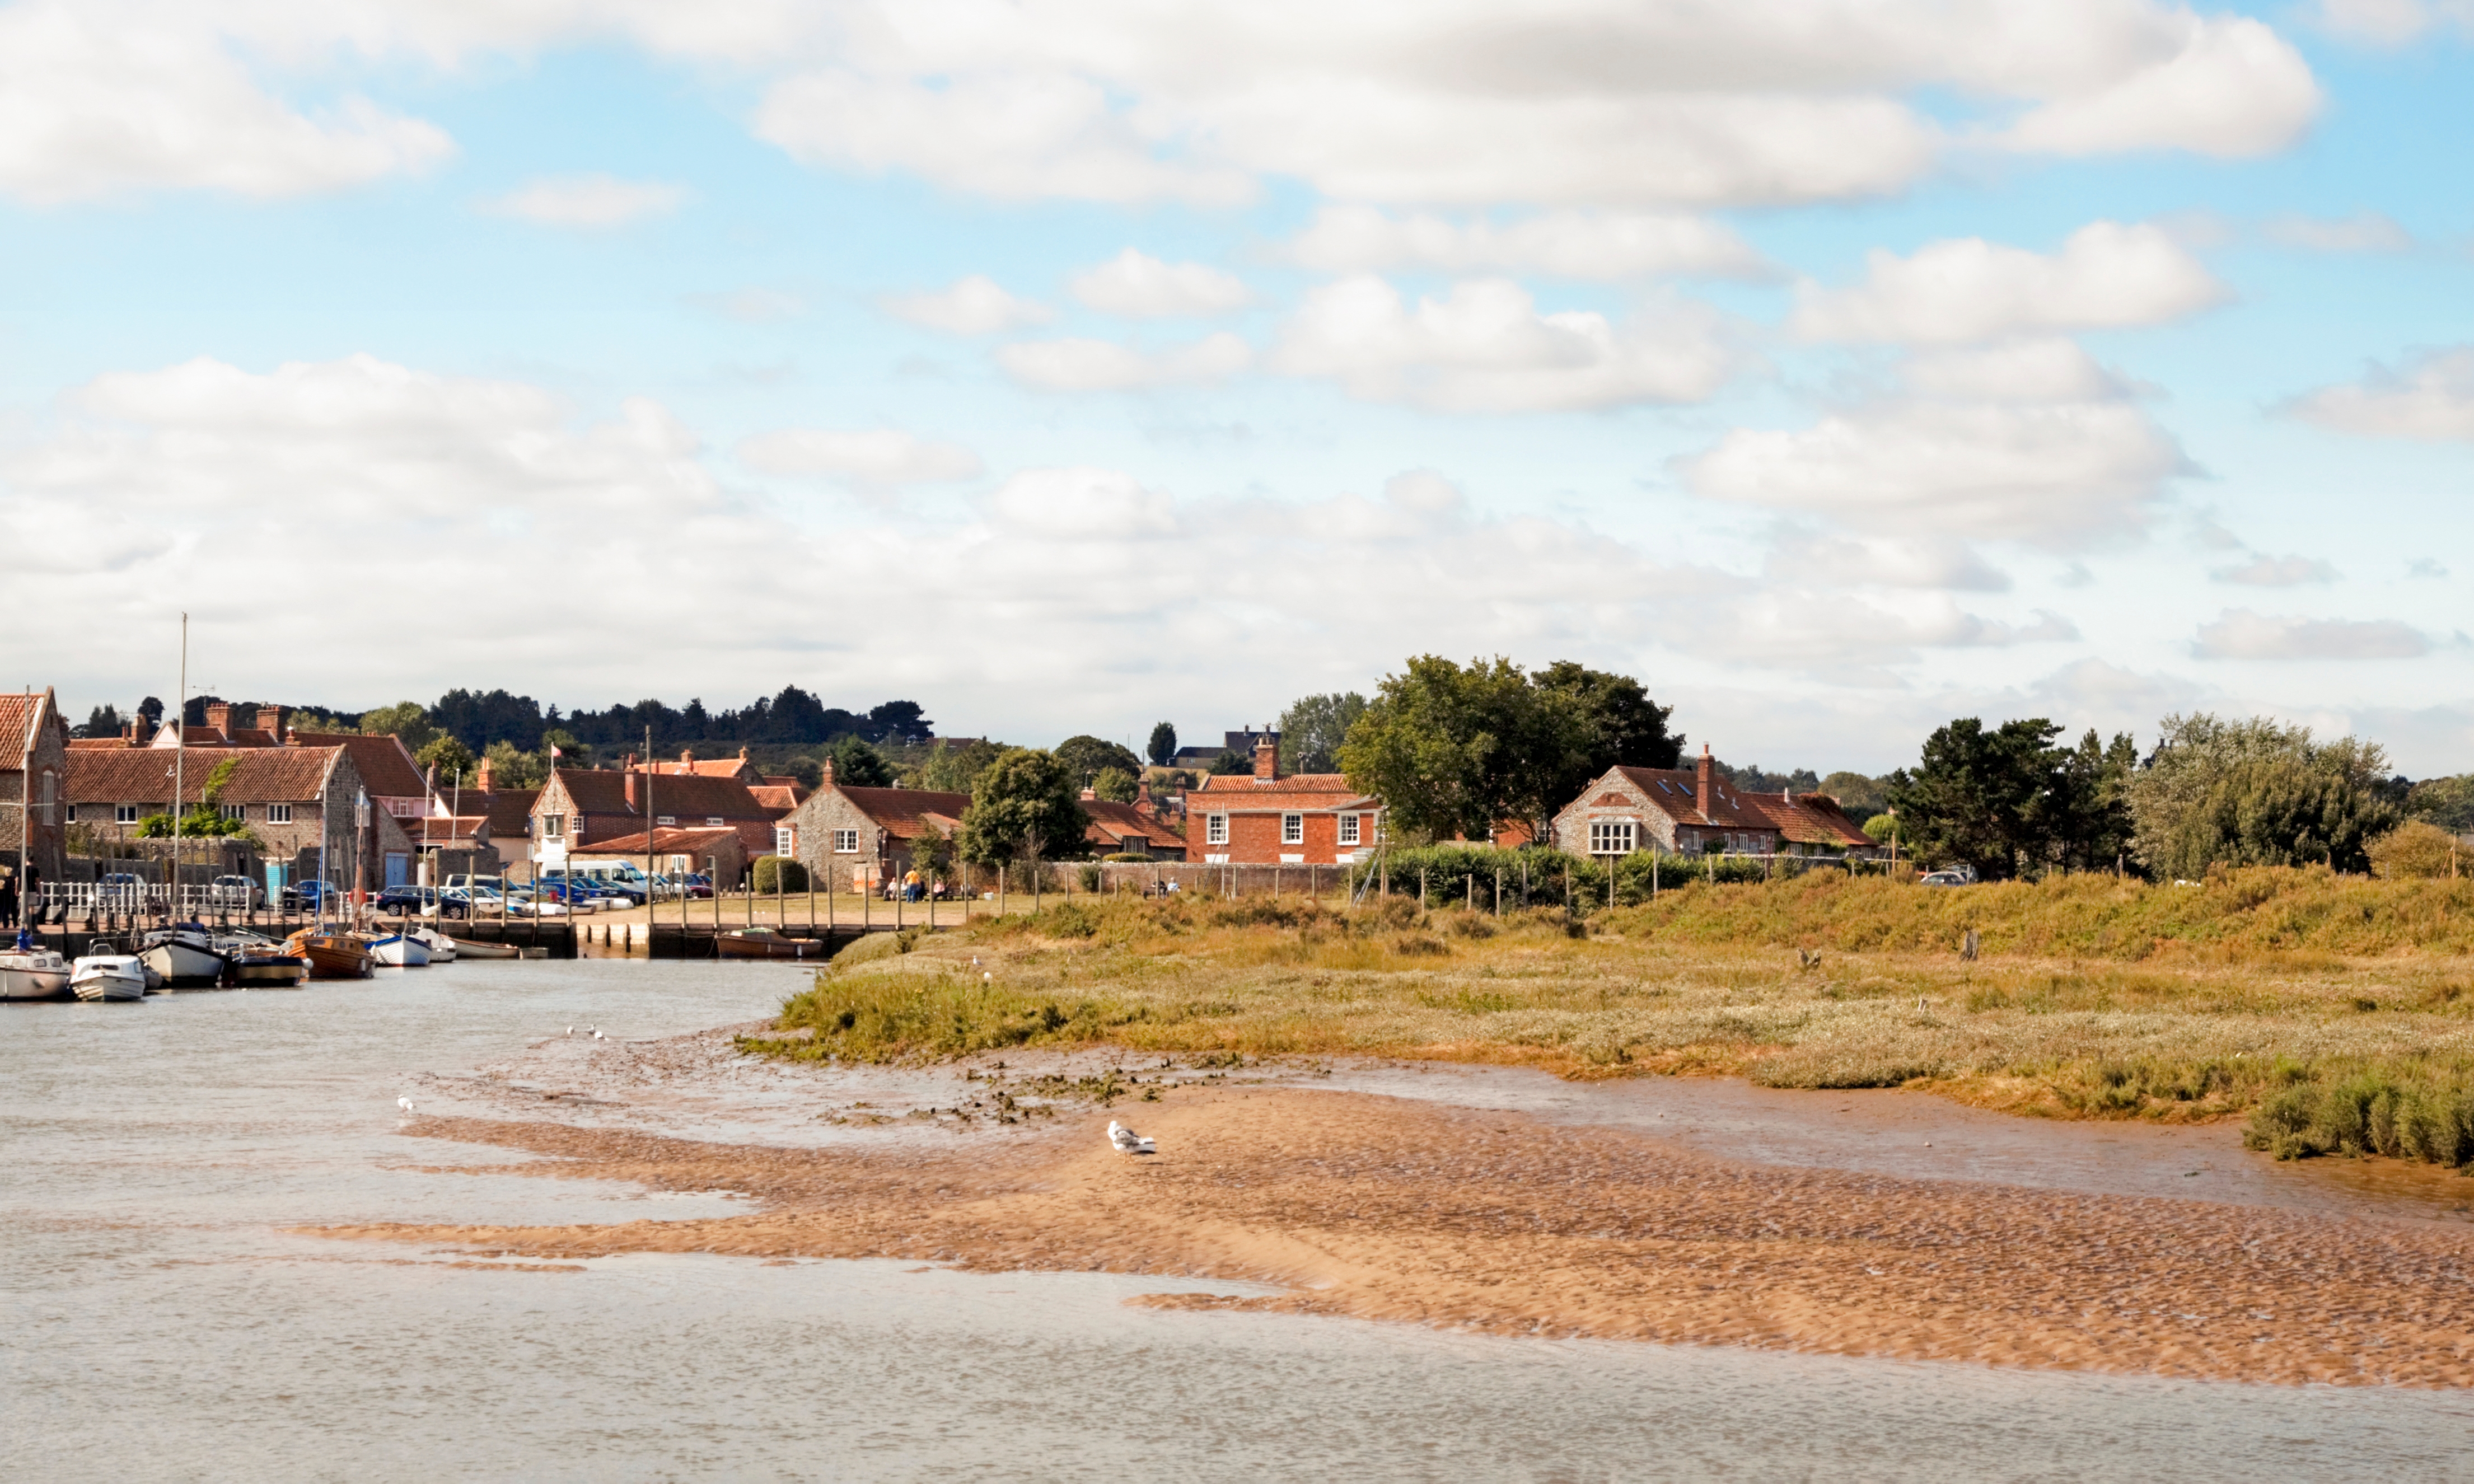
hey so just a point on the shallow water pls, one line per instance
(160, 1322)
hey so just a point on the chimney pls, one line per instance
(633, 787)
(742, 754)
(1705, 775)
(1090, 795)
(1267, 757)
(1143, 804)
(630, 763)
(219, 716)
(292, 737)
(270, 721)
(481, 775)
(827, 781)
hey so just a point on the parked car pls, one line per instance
(693, 883)
(420, 901)
(524, 902)
(1942, 879)
(490, 883)
(465, 902)
(241, 892)
(309, 895)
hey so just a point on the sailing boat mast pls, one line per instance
(179, 761)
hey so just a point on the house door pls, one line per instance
(398, 870)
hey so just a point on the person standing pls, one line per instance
(7, 898)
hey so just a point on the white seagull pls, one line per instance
(1125, 1141)
(597, 1036)
(404, 1103)
(570, 1030)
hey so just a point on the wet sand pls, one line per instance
(1533, 1222)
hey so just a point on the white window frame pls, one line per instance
(1215, 829)
(233, 811)
(1292, 828)
(51, 795)
(1613, 837)
(123, 813)
(786, 841)
(553, 826)
(845, 842)
(279, 814)
(1350, 826)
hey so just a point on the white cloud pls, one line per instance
(595, 202)
(2364, 231)
(2051, 370)
(95, 102)
(2240, 634)
(1486, 348)
(2228, 86)
(2431, 397)
(1081, 365)
(877, 458)
(1802, 627)
(975, 305)
(1606, 244)
(1136, 285)
(2277, 572)
(2057, 471)
(1968, 289)
(2393, 22)
(1828, 560)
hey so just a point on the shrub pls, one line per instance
(2416, 850)
(779, 873)
(1093, 880)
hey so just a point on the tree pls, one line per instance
(2417, 849)
(1861, 797)
(1883, 828)
(2446, 802)
(152, 709)
(1454, 751)
(1115, 785)
(103, 720)
(558, 750)
(1981, 798)
(2257, 792)
(1025, 803)
(407, 720)
(1625, 725)
(932, 852)
(510, 768)
(2089, 817)
(953, 769)
(1090, 756)
(1232, 763)
(1313, 728)
(447, 756)
(858, 765)
(1163, 744)
(898, 722)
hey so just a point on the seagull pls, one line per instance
(570, 1030)
(597, 1036)
(987, 978)
(404, 1103)
(1125, 1141)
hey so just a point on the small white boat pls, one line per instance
(442, 948)
(187, 956)
(396, 951)
(466, 948)
(32, 974)
(107, 976)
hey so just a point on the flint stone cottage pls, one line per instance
(34, 764)
(862, 837)
(1676, 811)
(579, 808)
(296, 800)
(1266, 819)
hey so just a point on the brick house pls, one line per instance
(1130, 829)
(689, 765)
(223, 728)
(862, 837)
(720, 853)
(1677, 811)
(296, 800)
(579, 808)
(33, 774)
(395, 783)
(1266, 819)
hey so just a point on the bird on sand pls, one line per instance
(1125, 1141)
(404, 1103)
(597, 1036)
(570, 1030)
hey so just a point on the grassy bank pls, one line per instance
(2337, 1012)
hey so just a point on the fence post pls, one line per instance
(1421, 888)
(1498, 891)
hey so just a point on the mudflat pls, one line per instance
(1410, 1211)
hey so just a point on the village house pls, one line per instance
(1264, 819)
(298, 802)
(580, 807)
(1676, 811)
(689, 765)
(720, 855)
(1241, 742)
(862, 837)
(395, 783)
(34, 765)
(1130, 829)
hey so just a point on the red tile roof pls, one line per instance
(900, 811)
(595, 792)
(386, 770)
(142, 775)
(1809, 819)
(1113, 822)
(778, 799)
(1293, 783)
(511, 812)
(1675, 791)
(665, 841)
(18, 713)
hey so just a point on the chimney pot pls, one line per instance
(827, 781)
(1267, 757)
(1706, 781)
(481, 774)
(219, 716)
(270, 721)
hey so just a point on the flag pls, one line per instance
(554, 752)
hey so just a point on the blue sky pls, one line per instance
(1070, 364)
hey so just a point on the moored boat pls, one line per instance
(31, 973)
(466, 948)
(442, 948)
(270, 969)
(766, 943)
(330, 955)
(185, 956)
(107, 976)
(397, 951)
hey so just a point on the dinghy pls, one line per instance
(396, 951)
(107, 976)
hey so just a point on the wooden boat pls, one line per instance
(766, 943)
(397, 951)
(466, 948)
(269, 970)
(330, 955)
(185, 956)
(107, 976)
(31, 973)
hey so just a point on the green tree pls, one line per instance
(449, 756)
(1860, 797)
(511, 768)
(1115, 785)
(407, 720)
(104, 720)
(570, 752)
(952, 770)
(1163, 744)
(1981, 797)
(1232, 763)
(1026, 805)
(931, 853)
(2446, 802)
(2257, 792)
(1883, 828)
(859, 765)
(1313, 728)
(1090, 756)
(2088, 817)
(1453, 751)
(1625, 726)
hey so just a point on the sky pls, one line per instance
(1835, 367)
